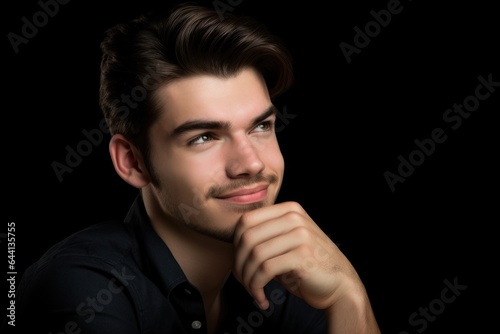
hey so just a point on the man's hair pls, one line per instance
(148, 52)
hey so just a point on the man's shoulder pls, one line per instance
(95, 263)
(104, 243)
(109, 236)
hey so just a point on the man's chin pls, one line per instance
(242, 208)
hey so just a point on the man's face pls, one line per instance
(214, 152)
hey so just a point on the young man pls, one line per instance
(204, 248)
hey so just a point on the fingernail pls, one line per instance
(264, 305)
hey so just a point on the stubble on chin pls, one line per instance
(226, 234)
(246, 207)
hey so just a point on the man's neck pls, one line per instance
(205, 261)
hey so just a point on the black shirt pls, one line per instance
(120, 277)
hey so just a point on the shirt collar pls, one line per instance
(158, 261)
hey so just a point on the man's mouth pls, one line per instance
(246, 195)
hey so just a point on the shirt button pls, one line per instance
(196, 324)
(187, 291)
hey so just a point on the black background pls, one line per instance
(351, 122)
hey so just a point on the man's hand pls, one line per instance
(282, 242)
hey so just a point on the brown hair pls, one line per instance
(155, 49)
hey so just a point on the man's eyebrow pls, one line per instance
(268, 112)
(218, 125)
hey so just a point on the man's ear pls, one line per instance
(128, 162)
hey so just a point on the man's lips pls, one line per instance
(246, 195)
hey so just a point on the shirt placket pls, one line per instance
(189, 305)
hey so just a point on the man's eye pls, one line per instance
(201, 139)
(264, 126)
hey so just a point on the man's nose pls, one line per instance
(244, 159)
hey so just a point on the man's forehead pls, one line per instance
(211, 98)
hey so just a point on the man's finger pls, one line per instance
(264, 214)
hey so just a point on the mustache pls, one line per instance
(217, 191)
